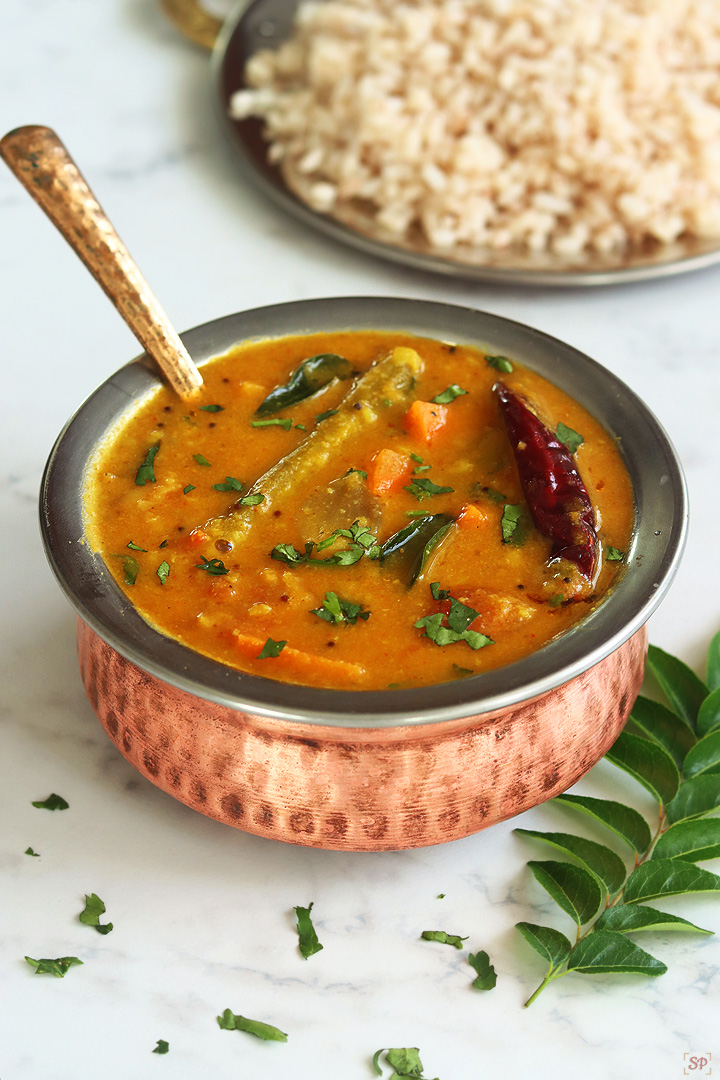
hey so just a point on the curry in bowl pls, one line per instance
(362, 510)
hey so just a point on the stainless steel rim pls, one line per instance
(658, 540)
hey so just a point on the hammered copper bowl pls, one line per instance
(368, 770)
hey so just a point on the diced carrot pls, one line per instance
(196, 538)
(388, 471)
(471, 516)
(424, 419)
(303, 666)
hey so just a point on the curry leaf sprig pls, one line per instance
(673, 751)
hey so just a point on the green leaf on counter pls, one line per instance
(649, 763)
(57, 967)
(607, 952)
(679, 683)
(550, 943)
(35, 854)
(90, 915)
(53, 802)
(601, 861)
(163, 572)
(146, 472)
(448, 395)
(307, 937)
(709, 714)
(574, 889)
(500, 363)
(443, 938)
(631, 918)
(695, 798)
(622, 820)
(693, 841)
(309, 377)
(704, 757)
(668, 877)
(651, 720)
(713, 664)
(271, 649)
(335, 610)
(162, 1046)
(572, 439)
(405, 1060)
(230, 1021)
(214, 567)
(212, 408)
(486, 974)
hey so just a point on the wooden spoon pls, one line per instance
(44, 167)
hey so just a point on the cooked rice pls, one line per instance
(567, 126)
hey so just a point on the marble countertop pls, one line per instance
(203, 913)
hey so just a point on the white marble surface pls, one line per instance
(202, 913)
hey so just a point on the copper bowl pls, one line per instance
(368, 770)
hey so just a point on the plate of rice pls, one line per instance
(534, 141)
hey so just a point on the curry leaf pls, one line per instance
(649, 763)
(53, 802)
(572, 439)
(486, 974)
(713, 664)
(57, 967)
(692, 841)
(709, 714)
(146, 472)
(630, 918)
(271, 649)
(625, 822)
(601, 861)
(448, 395)
(704, 757)
(35, 854)
(651, 720)
(309, 377)
(550, 943)
(90, 915)
(607, 952)
(230, 1021)
(443, 938)
(668, 877)
(575, 890)
(307, 937)
(681, 686)
(411, 547)
(695, 798)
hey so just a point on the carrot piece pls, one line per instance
(303, 666)
(471, 517)
(388, 471)
(196, 538)
(424, 419)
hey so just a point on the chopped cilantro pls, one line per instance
(570, 438)
(53, 802)
(231, 484)
(251, 500)
(613, 555)
(421, 468)
(360, 472)
(57, 967)
(216, 567)
(162, 1047)
(35, 854)
(164, 544)
(362, 542)
(512, 525)
(486, 976)
(423, 488)
(271, 649)
(448, 395)
(163, 572)
(131, 568)
(335, 610)
(135, 547)
(230, 1021)
(500, 363)
(324, 415)
(201, 460)
(416, 457)
(459, 619)
(492, 494)
(286, 424)
(90, 915)
(307, 938)
(556, 600)
(443, 938)
(146, 472)
(212, 408)
(188, 488)
(300, 427)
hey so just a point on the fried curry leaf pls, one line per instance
(146, 472)
(163, 1046)
(453, 391)
(324, 415)
(423, 488)
(486, 974)
(163, 572)
(53, 802)
(311, 375)
(572, 439)
(57, 967)
(285, 424)
(335, 610)
(131, 568)
(90, 915)
(231, 484)
(443, 938)
(271, 649)
(230, 1021)
(500, 363)
(216, 567)
(411, 547)
(307, 938)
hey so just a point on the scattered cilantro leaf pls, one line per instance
(300, 427)
(216, 567)
(419, 461)
(271, 649)
(613, 555)
(188, 488)
(230, 1021)
(510, 520)
(361, 473)
(458, 618)
(162, 1047)
(164, 544)
(146, 472)
(231, 484)
(57, 967)
(309, 377)
(53, 802)
(572, 439)
(307, 938)
(201, 460)
(251, 500)
(131, 568)
(421, 468)
(335, 610)
(362, 542)
(35, 854)
(285, 424)
(423, 488)
(212, 408)
(135, 547)
(491, 493)
(453, 391)
(324, 415)
(500, 363)
(90, 915)
(163, 571)
(486, 975)
(443, 938)
(556, 600)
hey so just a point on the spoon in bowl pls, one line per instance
(44, 167)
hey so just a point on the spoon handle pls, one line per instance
(43, 166)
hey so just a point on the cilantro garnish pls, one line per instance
(231, 484)
(230, 1021)
(162, 1047)
(201, 460)
(131, 568)
(556, 600)
(90, 915)
(164, 544)
(35, 854)
(251, 500)
(271, 649)
(53, 802)
(57, 967)
(307, 938)
(188, 488)
(361, 473)
(416, 457)
(335, 610)
(362, 542)
(423, 488)
(212, 408)
(492, 494)
(212, 566)
(135, 547)
(146, 472)
(324, 415)
(443, 938)
(512, 524)
(285, 424)
(500, 363)
(613, 555)
(572, 439)
(421, 468)
(486, 976)
(459, 618)
(163, 572)
(448, 395)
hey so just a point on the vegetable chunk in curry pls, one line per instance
(362, 510)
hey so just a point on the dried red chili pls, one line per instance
(554, 492)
